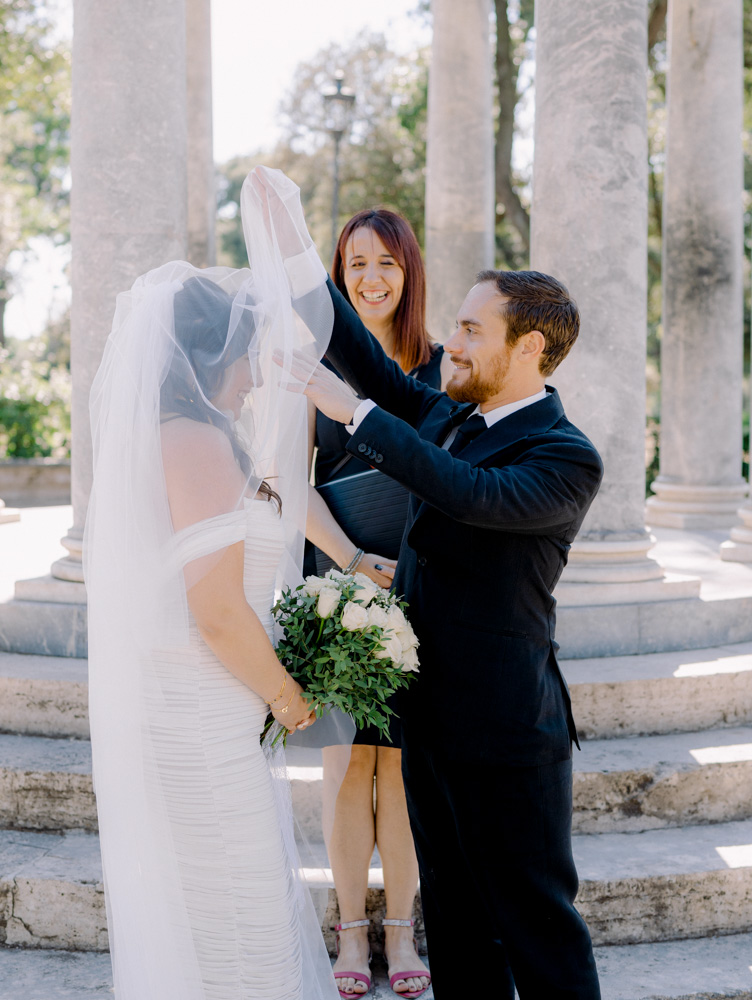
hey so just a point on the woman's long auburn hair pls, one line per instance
(412, 342)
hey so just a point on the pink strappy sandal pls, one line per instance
(415, 974)
(352, 975)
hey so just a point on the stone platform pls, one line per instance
(662, 798)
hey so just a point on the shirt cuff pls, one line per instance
(360, 414)
(305, 272)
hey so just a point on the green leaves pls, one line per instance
(337, 667)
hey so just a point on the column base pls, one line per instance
(739, 547)
(50, 590)
(671, 587)
(70, 568)
(8, 514)
(678, 505)
(619, 571)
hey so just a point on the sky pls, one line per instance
(256, 46)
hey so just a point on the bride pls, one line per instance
(197, 514)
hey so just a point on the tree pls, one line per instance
(34, 137)
(382, 160)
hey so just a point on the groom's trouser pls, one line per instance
(498, 879)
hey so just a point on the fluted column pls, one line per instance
(700, 483)
(589, 228)
(202, 199)
(129, 191)
(459, 158)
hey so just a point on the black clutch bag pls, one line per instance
(371, 509)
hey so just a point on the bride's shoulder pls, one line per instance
(181, 433)
(193, 451)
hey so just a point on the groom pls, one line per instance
(500, 483)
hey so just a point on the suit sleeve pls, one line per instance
(360, 360)
(547, 489)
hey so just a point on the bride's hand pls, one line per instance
(378, 569)
(295, 712)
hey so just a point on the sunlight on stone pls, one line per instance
(722, 665)
(723, 754)
(738, 856)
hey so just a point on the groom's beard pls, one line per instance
(478, 388)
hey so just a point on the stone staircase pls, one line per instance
(663, 827)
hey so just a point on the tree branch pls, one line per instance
(506, 78)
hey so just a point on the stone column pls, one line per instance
(589, 228)
(202, 199)
(700, 483)
(129, 191)
(459, 167)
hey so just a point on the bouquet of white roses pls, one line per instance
(349, 644)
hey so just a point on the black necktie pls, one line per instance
(470, 429)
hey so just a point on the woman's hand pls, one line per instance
(378, 569)
(294, 711)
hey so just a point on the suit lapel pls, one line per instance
(534, 419)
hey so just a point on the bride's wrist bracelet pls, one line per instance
(281, 690)
(354, 562)
(283, 711)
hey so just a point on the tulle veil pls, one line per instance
(137, 565)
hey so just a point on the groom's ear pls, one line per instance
(529, 347)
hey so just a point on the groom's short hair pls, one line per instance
(536, 301)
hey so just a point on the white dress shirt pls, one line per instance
(491, 417)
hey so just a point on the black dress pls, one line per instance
(331, 440)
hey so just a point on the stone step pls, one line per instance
(716, 968)
(660, 885)
(624, 785)
(612, 696)
(661, 692)
(43, 695)
(648, 782)
(65, 975)
(45, 784)
(635, 887)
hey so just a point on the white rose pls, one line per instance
(367, 589)
(313, 585)
(408, 638)
(377, 616)
(354, 617)
(409, 660)
(336, 577)
(328, 601)
(397, 620)
(392, 649)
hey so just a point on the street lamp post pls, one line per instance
(338, 103)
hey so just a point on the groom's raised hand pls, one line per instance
(326, 390)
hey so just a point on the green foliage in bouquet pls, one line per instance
(348, 643)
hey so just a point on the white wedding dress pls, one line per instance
(233, 865)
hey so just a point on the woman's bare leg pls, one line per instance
(350, 845)
(400, 865)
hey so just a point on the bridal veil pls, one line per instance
(174, 335)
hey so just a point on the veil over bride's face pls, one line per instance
(237, 382)
(214, 358)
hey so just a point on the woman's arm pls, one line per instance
(232, 630)
(323, 530)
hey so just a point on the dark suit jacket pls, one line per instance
(486, 540)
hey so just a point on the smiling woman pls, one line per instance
(378, 267)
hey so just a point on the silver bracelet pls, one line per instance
(354, 562)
